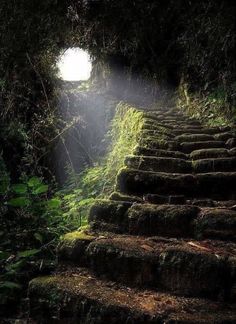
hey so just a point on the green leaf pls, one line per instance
(54, 203)
(34, 182)
(85, 202)
(16, 266)
(19, 188)
(28, 253)
(38, 237)
(41, 189)
(19, 202)
(4, 255)
(9, 285)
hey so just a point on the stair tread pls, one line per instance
(210, 184)
(184, 267)
(110, 302)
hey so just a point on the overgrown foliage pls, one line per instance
(99, 180)
(212, 108)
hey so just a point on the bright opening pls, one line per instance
(74, 65)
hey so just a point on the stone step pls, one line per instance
(200, 130)
(224, 136)
(156, 144)
(184, 267)
(194, 138)
(110, 215)
(169, 164)
(214, 165)
(159, 153)
(117, 196)
(147, 133)
(209, 153)
(216, 223)
(231, 143)
(216, 185)
(166, 220)
(182, 221)
(188, 147)
(77, 296)
(153, 124)
(159, 164)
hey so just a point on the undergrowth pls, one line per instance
(211, 108)
(98, 181)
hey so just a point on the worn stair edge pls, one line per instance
(176, 165)
(183, 267)
(217, 185)
(158, 164)
(78, 297)
(165, 220)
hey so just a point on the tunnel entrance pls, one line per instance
(74, 65)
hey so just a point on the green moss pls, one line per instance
(99, 181)
(77, 235)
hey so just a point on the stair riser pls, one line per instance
(220, 165)
(217, 186)
(159, 164)
(187, 274)
(171, 221)
(188, 147)
(174, 165)
(159, 153)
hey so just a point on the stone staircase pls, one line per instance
(162, 248)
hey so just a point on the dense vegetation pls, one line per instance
(142, 53)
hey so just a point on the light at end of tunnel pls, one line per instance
(74, 65)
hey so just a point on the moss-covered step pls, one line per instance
(215, 165)
(184, 124)
(217, 185)
(194, 138)
(139, 182)
(147, 133)
(162, 220)
(199, 130)
(159, 143)
(188, 147)
(209, 153)
(182, 221)
(154, 125)
(109, 215)
(159, 153)
(216, 223)
(77, 297)
(118, 196)
(224, 136)
(189, 268)
(158, 164)
(165, 199)
(72, 247)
